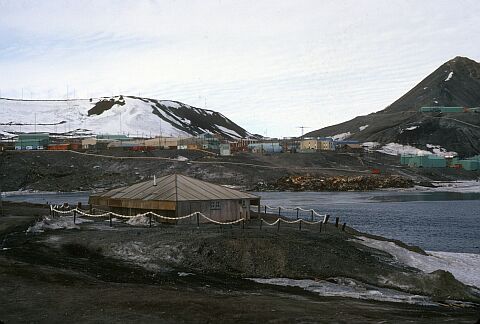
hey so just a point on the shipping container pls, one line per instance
(58, 147)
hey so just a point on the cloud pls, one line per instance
(265, 64)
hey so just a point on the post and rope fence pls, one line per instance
(322, 218)
(56, 211)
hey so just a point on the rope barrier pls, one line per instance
(194, 214)
(290, 208)
(107, 214)
(290, 222)
(222, 223)
(271, 224)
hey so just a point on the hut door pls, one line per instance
(195, 207)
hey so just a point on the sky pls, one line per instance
(270, 66)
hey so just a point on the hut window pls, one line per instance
(244, 203)
(215, 204)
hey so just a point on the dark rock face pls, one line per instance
(104, 105)
(455, 83)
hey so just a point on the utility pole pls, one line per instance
(302, 128)
(2, 153)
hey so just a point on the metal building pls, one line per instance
(424, 161)
(175, 196)
(32, 141)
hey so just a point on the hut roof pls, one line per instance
(175, 188)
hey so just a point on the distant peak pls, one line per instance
(461, 60)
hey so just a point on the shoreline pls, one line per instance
(440, 186)
(213, 263)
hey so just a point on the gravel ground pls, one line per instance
(185, 274)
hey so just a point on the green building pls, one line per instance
(469, 165)
(32, 141)
(423, 161)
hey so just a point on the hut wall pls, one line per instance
(229, 210)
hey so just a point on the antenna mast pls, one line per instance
(303, 129)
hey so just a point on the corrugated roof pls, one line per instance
(176, 188)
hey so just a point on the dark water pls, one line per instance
(51, 198)
(437, 221)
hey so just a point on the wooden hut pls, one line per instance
(175, 196)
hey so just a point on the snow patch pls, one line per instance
(230, 132)
(63, 222)
(140, 220)
(361, 128)
(370, 145)
(169, 103)
(411, 128)
(181, 158)
(449, 76)
(341, 137)
(399, 149)
(461, 265)
(471, 186)
(438, 150)
(346, 287)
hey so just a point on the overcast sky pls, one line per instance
(270, 66)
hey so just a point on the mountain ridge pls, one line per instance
(454, 83)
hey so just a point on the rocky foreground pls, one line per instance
(336, 183)
(188, 274)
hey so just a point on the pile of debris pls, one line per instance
(337, 183)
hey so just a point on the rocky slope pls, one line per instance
(455, 83)
(337, 183)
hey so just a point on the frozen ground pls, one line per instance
(345, 287)
(464, 266)
(450, 186)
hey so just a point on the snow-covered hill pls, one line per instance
(129, 115)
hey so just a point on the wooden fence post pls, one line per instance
(110, 216)
(198, 219)
(149, 220)
(278, 226)
(261, 223)
(300, 225)
(297, 212)
(336, 221)
(326, 221)
(343, 227)
(74, 216)
(243, 224)
(279, 209)
(312, 215)
(265, 209)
